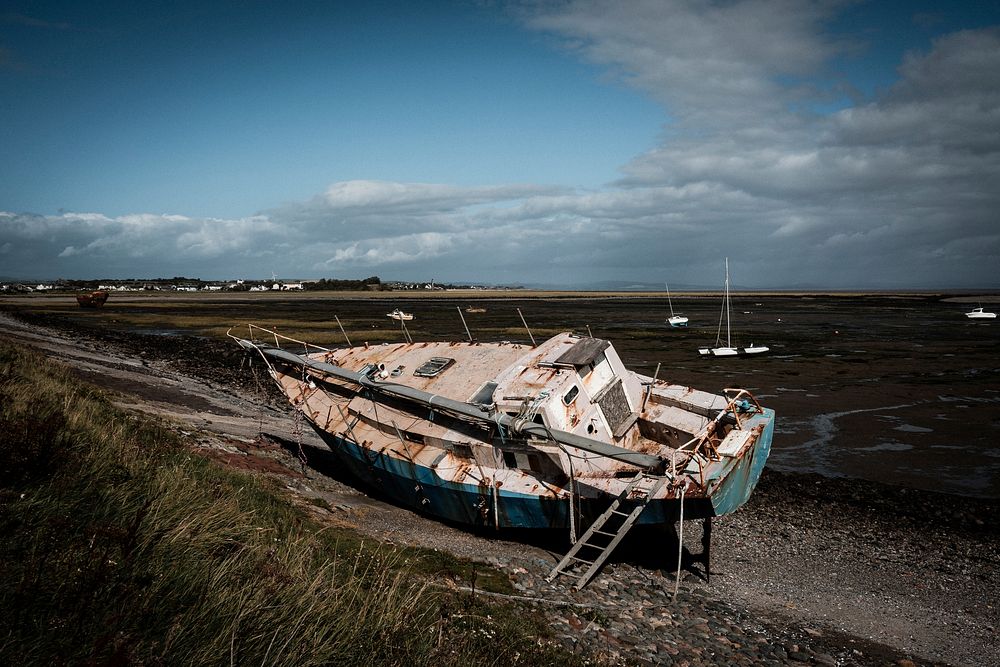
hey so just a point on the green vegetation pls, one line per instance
(123, 547)
(372, 283)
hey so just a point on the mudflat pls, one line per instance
(899, 390)
(896, 388)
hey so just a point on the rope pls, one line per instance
(297, 422)
(261, 395)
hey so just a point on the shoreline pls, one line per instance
(986, 295)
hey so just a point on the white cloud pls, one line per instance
(706, 62)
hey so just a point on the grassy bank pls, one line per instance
(121, 546)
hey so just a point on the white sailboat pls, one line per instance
(674, 320)
(728, 350)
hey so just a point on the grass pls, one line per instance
(123, 547)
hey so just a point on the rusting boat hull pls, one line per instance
(546, 436)
(92, 300)
(420, 489)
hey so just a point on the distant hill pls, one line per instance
(622, 286)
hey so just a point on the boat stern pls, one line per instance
(733, 489)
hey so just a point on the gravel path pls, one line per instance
(811, 571)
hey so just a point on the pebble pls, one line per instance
(692, 630)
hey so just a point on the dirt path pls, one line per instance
(843, 564)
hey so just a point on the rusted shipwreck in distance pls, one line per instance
(92, 299)
(556, 436)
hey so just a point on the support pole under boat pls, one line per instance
(706, 547)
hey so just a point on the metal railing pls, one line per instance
(694, 445)
(279, 337)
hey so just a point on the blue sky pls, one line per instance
(831, 144)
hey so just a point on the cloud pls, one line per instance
(707, 63)
(900, 190)
(889, 184)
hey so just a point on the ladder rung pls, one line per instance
(638, 503)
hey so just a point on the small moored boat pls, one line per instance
(729, 350)
(980, 314)
(674, 320)
(399, 315)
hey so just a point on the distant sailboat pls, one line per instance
(674, 320)
(728, 350)
(399, 315)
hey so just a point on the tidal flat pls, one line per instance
(900, 389)
(828, 568)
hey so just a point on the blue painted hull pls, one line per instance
(420, 488)
(731, 491)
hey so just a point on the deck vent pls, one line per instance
(485, 394)
(433, 367)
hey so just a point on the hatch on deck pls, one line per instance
(433, 366)
(584, 352)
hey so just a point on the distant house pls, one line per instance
(292, 286)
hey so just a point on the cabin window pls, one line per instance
(462, 451)
(571, 395)
(413, 437)
(509, 459)
(534, 463)
(433, 366)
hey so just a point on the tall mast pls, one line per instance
(728, 341)
(668, 299)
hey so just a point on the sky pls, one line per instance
(829, 144)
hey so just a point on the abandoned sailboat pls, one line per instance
(728, 350)
(511, 435)
(674, 320)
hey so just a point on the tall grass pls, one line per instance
(121, 546)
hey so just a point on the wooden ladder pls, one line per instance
(602, 537)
